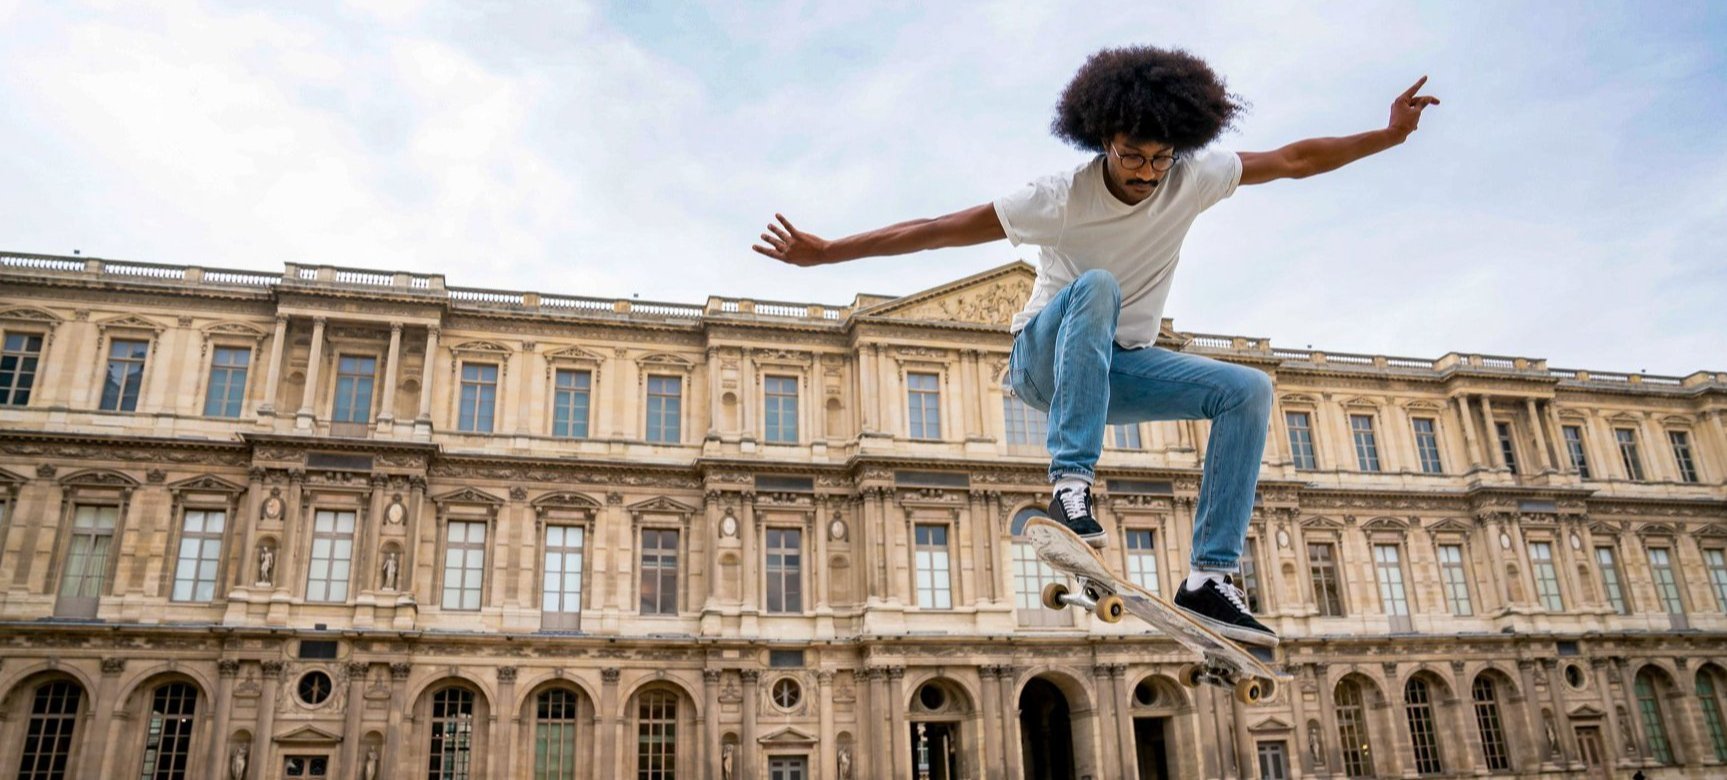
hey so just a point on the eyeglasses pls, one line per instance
(1134, 162)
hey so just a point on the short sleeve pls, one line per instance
(1216, 172)
(1033, 214)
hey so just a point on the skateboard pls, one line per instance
(1223, 663)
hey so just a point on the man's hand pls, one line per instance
(789, 245)
(1406, 110)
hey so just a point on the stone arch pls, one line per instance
(526, 710)
(1170, 694)
(137, 697)
(962, 696)
(452, 675)
(416, 754)
(19, 705)
(685, 692)
(687, 715)
(1084, 721)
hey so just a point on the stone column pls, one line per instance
(1561, 452)
(818, 567)
(387, 758)
(711, 723)
(387, 413)
(610, 731)
(990, 690)
(1124, 739)
(1466, 416)
(871, 740)
(347, 761)
(1534, 748)
(225, 671)
(898, 741)
(1692, 746)
(423, 421)
(273, 370)
(824, 744)
(304, 418)
(747, 734)
(1104, 713)
(99, 744)
(264, 741)
(1536, 425)
(1561, 721)
(1495, 454)
(1465, 750)
(505, 713)
(1010, 736)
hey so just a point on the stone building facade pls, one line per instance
(348, 523)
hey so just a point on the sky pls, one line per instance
(1565, 200)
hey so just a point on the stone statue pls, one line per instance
(1547, 730)
(266, 566)
(1314, 750)
(391, 566)
(371, 769)
(726, 761)
(237, 763)
(845, 762)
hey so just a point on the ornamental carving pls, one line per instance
(992, 305)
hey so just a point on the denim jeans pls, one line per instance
(1066, 362)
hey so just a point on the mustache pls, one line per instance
(1137, 182)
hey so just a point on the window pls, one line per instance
(479, 397)
(452, 749)
(659, 571)
(1574, 445)
(561, 590)
(1427, 445)
(1455, 578)
(1126, 437)
(786, 693)
(1388, 566)
(200, 554)
(785, 570)
(1681, 442)
(227, 389)
(1610, 580)
(48, 735)
(1366, 450)
(1654, 725)
(1352, 730)
(1300, 440)
(1025, 425)
(464, 564)
(1546, 576)
(1627, 438)
(1030, 575)
(315, 688)
(85, 577)
(1322, 567)
(780, 409)
(306, 767)
(570, 404)
(665, 409)
(1716, 560)
(933, 584)
(332, 553)
(1709, 698)
(1507, 447)
(20, 354)
(1273, 761)
(1418, 709)
(168, 735)
(1142, 559)
(1493, 748)
(657, 736)
(1250, 573)
(923, 405)
(125, 375)
(1666, 582)
(555, 717)
(354, 375)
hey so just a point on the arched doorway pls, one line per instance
(1045, 732)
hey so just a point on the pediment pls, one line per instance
(577, 354)
(131, 321)
(1450, 525)
(1365, 404)
(664, 505)
(566, 501)
(1676, 421)
(9, 478)
(665, 360)
(1386, 524)
(29, 314)
(468, 496)
(1624, 418)
(234, 329)
(1712, 531)
(308, 735)
(1604, 529)
(1588, 711)
(100, 478)
(485, 347)
(1272, 723)
(1298, 398)
(991, 297)
(788, 736)
(207, 483)
(1655, 529)
(1321, 522)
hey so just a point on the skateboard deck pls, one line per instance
(1222, 662)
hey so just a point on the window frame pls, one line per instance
(918, 549)
(1461, 567)
(374, 401)
(586, 422)
(311, 555)
(1551, 566)
(648, 395)
(1577, 450)
(1335, 563)
(44, 338)
(1308, 415)
(680, 555)
(107, 361)
(1619, 584)
(1630, 455)
(1505, 436)
(796, 398)
(214, 347)
(542, 576)
(463, 383)
(796, 573)
(1684, 456)
(1367, 460)
(446, 525)
(176, 540)
(939, 375)
(1432, 437)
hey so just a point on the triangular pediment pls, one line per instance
(9, 478)
(1712, 530)
(468, 496)
(1298, 398)
(1604, 529)
(100, 478)
(991, 297)
(308, 735)
(663, 504)
(1321, 522)
(1386, 524)
(789, 736)
(1424, 406)
(131, 321)
(1271, 724)
(1588, 711)
(566, 501)
(486, 347)
(576, 353)
(207, 484)
(665, 360)
(29, 314)
(1655, 529)
(234, 329)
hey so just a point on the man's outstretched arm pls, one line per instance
(1319, 155)
(976, 225)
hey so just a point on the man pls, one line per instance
(1110, 234)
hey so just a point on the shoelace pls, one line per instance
(1234, 594)
(1074, 502)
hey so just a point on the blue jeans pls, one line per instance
(1066, 362)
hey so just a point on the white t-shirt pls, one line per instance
(1080, 226)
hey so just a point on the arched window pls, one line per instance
(1352, 730)
(452, 750)
(657, 736)
(1493, 749)
(168, 735)
(1709, 690)
(1418, 708)
(48, 736)
(555, 714)
(1654, 725)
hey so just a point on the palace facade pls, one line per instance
(350, 523)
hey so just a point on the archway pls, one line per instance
(1046, 732)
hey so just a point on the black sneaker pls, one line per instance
(1072, 508)
(1222, 607)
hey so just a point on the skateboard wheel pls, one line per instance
(1189, 675)
(1052, 594)
(1249, 691)
(1111, 609)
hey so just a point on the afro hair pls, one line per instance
(1150, 94)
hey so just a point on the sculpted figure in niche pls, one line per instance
(391, 567)
(266, 566)
(237, 763)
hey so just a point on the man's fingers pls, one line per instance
(775, 242)
(1409, 94)
(766, 251)
(786, 222)
(779, 231)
